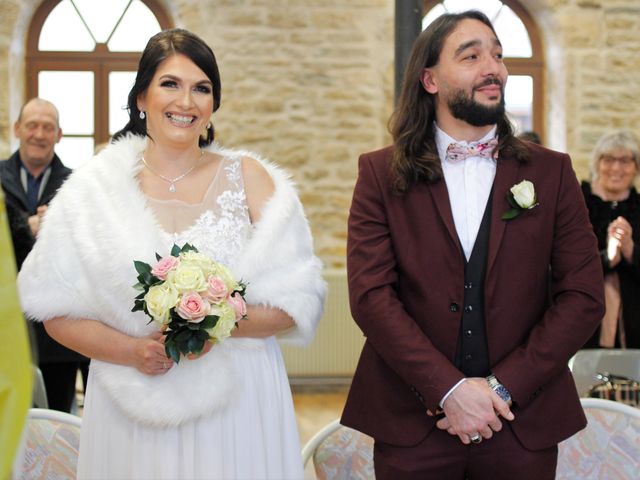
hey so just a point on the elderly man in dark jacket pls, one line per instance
(30, 178)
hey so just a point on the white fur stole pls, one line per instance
(82, 267)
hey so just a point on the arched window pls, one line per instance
(523, 55)
(82, 55)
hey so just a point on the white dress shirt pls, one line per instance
(469, 184)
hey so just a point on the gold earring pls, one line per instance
(205, 134)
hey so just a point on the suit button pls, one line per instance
(468, 333)
(454, 307)
(468, 357)
(468, 285)
(468, 309)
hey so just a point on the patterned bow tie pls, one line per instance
(457, 152)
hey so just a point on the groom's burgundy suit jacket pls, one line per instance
(543, 299)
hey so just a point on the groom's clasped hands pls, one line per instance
(472, 411)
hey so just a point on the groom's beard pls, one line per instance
(464, 107)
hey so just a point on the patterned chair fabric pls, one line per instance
(609, 448)
(340, 453)
(51, 445)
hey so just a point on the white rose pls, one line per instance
(160, 299)
(226, 322)
(227, 277)
(524, 194)
(199, 260)
(187, 278)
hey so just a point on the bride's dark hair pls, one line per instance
(160, 47)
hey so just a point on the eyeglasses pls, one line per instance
(625, 161)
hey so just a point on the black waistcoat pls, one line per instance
(472, 355)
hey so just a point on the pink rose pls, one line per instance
(193, 307)
(238, 304)
(216, 290)
(162, 268)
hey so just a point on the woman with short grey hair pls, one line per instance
(614, 211)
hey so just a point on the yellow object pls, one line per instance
(16, 377)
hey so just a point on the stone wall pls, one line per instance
(595, 62)
(309, 83)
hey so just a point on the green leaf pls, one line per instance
(512, 201)
(187, 247)
(183, 347)
(510, 214)
(175, 250)
(149, 279)
(203, 335)
(158, 257)
(209, 321)
(184, 335)
(195, 345)
(138, 305)
(171, 350)
(142, 267)
(242, 290)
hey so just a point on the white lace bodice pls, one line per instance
(218, 226)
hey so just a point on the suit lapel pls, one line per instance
(506, 177)
(440, 197)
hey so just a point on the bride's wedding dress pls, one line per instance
(254, 436)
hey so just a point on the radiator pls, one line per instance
(336, 347)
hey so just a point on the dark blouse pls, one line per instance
(601, 214)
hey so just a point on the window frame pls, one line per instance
(532, 66)
(101, 62)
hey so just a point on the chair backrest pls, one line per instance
(52, 440)
(586, 363)
(39, 389)
(608, 448)
(340, 453)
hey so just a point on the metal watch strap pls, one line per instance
(500, 389)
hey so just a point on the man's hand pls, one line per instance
(34, 224)
(474, 408)
(34, 220)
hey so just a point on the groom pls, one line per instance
(473, 273)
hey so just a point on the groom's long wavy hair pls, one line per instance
(415, 155)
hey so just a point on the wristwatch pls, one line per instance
(497, 387)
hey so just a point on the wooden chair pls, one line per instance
(39, 390)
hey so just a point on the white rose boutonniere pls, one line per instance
(521, 197)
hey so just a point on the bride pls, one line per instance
(228, 412)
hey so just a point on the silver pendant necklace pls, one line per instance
(172, 181)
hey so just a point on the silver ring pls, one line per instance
(477, 438)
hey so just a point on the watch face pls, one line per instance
(503, 393)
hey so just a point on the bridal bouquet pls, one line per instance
(191, 297)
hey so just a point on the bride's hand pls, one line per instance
(207, 347)
(149, 355)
